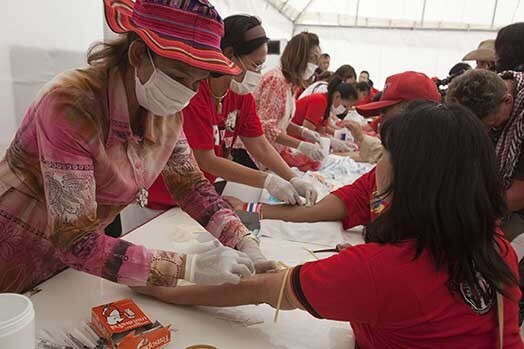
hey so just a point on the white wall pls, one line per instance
(386, 52)
(40, 39)
(276, 25)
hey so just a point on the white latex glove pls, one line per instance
(340, 146)
(305, 189)
(311, 150)
(218, 265)
(281, 189)
(310, 135)
(249, 245)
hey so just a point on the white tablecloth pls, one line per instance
(66, 300)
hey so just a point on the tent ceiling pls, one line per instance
(408, 14)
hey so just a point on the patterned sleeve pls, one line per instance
(67, 166)
(270, 98)
(198, 198)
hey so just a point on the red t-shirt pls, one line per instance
(357, 198)
(312, 108)
(393, 301)
(207, 130)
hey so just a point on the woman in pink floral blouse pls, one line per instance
(95, 139)
(275, 101)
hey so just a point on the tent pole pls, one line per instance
(494, 13)
(423, 15)
(303, 11)
(356, 12)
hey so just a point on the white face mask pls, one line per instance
(338, 110)
(248, 84)
(310, 70)
(161, 94)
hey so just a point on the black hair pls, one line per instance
(509, 46)
(325, 55)
(345, 72)
(445, 194)
(377, 97)
(370, 82)
(365, 72)
(235, 28)
(347, 91)
(459, 68)
(363, 86)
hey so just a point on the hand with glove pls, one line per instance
(309, 135)
(340, 146)
(355, 129)
(281, 189)
(249, 246)
(218, 265)
(311, 150)
(305, 189)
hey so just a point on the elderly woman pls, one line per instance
(95, 139)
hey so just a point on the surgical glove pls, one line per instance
(218, 265)
(305, 189)
(311, 150)
(310, 135)
(281, 189)
(340, 146)
(249, 246)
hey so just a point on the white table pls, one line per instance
(66, 300)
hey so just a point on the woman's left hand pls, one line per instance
(249, 246)
(305, 189)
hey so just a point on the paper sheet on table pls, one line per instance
(321, 233)
(241, 316)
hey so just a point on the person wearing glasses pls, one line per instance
(221, 120)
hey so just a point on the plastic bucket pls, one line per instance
(17, 322)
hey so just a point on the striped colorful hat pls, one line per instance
(185, 30)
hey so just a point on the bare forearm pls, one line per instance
(287, 140)
(261, 288)
(230, 171)
(331, 208)
(264, 152)
(294, 129)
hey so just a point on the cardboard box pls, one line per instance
(125, 326)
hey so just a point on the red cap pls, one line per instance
(407, 86)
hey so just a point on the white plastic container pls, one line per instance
(17, 322)
(325, 144)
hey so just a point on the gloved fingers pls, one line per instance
(230, 278)
(247, 262)
(203, 247)
(313, 196)
(265, 266)
(241, 270)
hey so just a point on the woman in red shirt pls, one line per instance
(434, 262)
(222, 119)
(313, 112)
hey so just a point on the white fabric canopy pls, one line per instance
(463, 14)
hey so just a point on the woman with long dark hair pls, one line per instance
(314, 111)
(435, 271)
